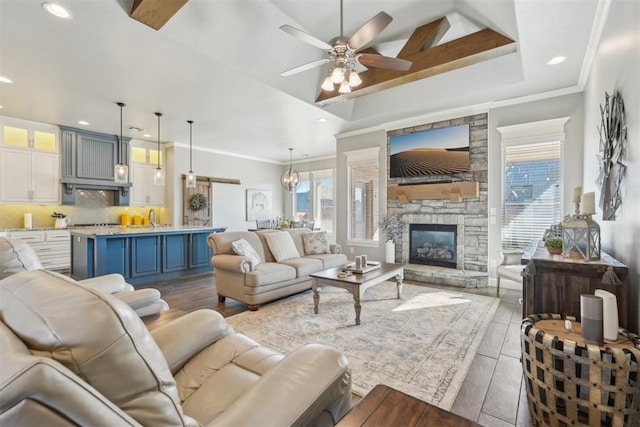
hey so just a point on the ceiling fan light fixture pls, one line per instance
(354, 79)
(344, 87)
(327, 84)
(337, 75)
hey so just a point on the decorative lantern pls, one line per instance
(580, 238)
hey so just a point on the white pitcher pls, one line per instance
(62, 222)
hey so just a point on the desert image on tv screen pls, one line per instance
(441, 151)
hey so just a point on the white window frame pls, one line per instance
(356, 157)
(312, 195)
(531, 133)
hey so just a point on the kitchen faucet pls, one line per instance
(152, 217)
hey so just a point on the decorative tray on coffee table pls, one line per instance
(371, 265)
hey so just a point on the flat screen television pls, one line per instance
(442, 151)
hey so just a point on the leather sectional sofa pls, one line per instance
(238, 278)
(72, 355)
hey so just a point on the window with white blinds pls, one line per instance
(531, 191)
(364, 195)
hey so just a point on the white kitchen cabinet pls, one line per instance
(144, 161)
(53, 247)
(29, 162)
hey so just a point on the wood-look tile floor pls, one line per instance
(493, 391)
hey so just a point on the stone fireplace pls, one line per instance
(433, 244)
(465, 218)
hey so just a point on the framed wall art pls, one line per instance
(259, 204)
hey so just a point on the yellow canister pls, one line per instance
(125, 218)
(146, 220)
(137, 219)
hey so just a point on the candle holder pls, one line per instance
(580, 238)
(576, 208)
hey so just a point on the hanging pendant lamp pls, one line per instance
(158, 176)
(290, 179)
(191, 177)
(121, 170)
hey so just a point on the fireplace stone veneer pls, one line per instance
(469, 215)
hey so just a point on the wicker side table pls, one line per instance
(572, 383)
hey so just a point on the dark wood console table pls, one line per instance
(553, 284)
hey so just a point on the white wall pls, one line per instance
(229, 200)
(616, 67)
(562, 106)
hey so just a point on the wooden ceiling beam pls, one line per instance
(155, 13)
(428, 59)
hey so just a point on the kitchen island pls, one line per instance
(141, 254)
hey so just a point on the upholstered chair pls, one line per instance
(16, 256)
(72, 355)
(510, 267)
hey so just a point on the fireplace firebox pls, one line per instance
(433, 244)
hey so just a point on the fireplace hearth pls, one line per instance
(433, 244)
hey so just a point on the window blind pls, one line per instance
(531, 191)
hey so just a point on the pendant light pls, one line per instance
(290, 178)
(191, 177)
(121, 170)
(158, 176)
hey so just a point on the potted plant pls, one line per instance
(554, 245)
(392, 225)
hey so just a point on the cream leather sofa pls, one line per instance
(269, 280)
(17, 256)
(71, 355)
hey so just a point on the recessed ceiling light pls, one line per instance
(83, 122)
(304, 155)
(146, 135)
(4, 79)
(557, 60)
(322, 120)
(57, 10)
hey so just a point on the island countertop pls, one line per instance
(141, 229)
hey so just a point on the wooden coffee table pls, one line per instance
(357, 284)
(386, 406)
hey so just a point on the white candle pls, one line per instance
(588, 205)
(28, 220)
(577, 192)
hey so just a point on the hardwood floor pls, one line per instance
(493, 391)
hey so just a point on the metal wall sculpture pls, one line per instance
(613, 139)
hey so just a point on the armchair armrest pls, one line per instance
(233, 263)
(181, 339)
(511, 257)
(39, 391)
(296, 391)
(109, 283)
(335, 248)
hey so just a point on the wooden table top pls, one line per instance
(556, 327)
(386, 406)
(332, 273)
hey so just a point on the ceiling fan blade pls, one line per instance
(304, 67)
(369, 31)
(380, 61)
(307, 38)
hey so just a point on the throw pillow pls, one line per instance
(281, 245)
(244, 248)
(316, 243)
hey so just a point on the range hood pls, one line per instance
(88, 159)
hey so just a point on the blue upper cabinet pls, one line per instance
(88, 160)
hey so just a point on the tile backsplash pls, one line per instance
(92, 207)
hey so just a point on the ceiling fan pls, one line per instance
(344, 55)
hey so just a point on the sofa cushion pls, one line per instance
(330, 260)
(269, 273)
(242, 247)
(316, 243)
(281, 245)
(304, 266)
(16, 256)
(44, 310)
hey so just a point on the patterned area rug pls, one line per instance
(422, 344)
